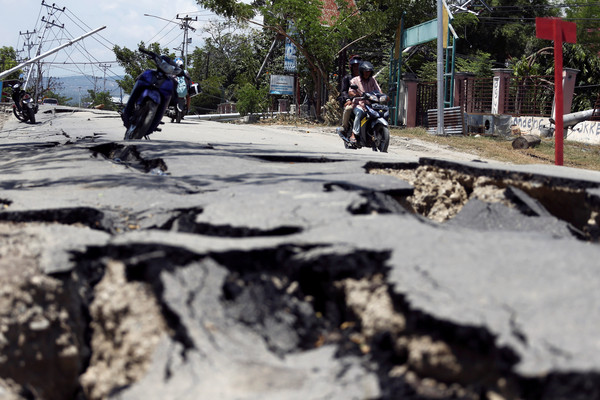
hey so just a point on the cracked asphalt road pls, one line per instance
(275, 264)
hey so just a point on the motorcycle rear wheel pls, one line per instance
(30, 115)
(143, 116)
(382, 137)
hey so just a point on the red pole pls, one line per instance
(558, 31)
(558, 94)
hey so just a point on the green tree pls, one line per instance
(100, 98)
(585, 14)
(252, 100)
(229, 58)
(317, 41)
(210, 97)
(8, 60)
(586, 60)
(135, 62)
(230, 53)
(507, 32)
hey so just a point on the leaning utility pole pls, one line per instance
(48, 53)
(185, 25)
(51, 11)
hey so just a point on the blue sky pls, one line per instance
(125, 24)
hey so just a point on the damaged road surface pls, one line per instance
(222, 261)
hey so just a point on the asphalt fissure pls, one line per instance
(129, 156)
(519, 201)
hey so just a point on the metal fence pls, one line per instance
(426, 100)
(530, 95)
(476, 96)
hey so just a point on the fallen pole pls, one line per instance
(49, 52)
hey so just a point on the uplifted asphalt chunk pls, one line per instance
(525, 203)
(480, 215)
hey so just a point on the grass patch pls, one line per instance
(575, 154)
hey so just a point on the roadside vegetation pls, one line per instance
(241, 51)
(576, 155)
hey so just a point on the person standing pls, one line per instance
(345, 102)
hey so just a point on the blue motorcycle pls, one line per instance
(150, 97)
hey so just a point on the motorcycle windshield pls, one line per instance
(168, 68)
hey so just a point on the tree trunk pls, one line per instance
(526, 142)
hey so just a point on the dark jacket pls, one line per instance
(344, 89)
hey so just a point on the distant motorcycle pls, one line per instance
(150, 97)
(24, 107)
(179, 103)
(177, 111)
(374, 127)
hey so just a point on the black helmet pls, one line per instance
(364, 67)
(354, 60)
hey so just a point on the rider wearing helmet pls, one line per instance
(366, 83)
(345, 102)
(183, 83)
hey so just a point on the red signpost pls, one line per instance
(559, 31)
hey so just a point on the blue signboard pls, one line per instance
(282, 84)
(289, 61)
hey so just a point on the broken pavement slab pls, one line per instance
(263, 256)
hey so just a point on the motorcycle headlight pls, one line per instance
(383, 99)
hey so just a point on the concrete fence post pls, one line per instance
(568, 81)
(460, 87)
(500, 89)
(410, 104)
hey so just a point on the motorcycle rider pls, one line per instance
(16, 94)
(183, 84)
(345, 102)
(365, 83)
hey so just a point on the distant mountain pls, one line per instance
(74, 86)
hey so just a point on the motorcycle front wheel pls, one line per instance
(18, 115)
(143, 115)
(382, 137)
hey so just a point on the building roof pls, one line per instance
(331, 10)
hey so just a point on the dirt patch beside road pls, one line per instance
(4, 114)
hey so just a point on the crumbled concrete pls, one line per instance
(126, 326)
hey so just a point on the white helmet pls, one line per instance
(179, 62)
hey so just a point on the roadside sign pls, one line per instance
(289, 62)
(559, 31)
(282, 84)
(290, 57)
